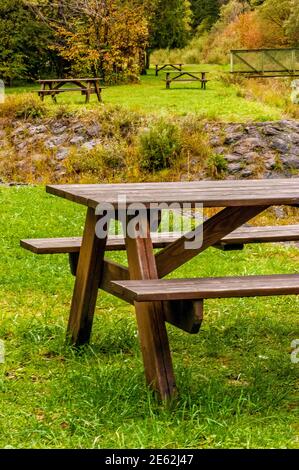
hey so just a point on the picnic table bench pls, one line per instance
(87, 86)
(160, 67)
(186, 77)
(156, 300)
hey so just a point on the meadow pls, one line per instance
(224, 99)
(238, 386)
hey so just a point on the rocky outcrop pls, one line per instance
(265, 149)
(245, 150)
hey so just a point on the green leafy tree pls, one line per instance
(23, 39)
(205, 13)
(292, 23)
(170, 24)
(283, 15)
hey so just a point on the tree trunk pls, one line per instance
(147, 59)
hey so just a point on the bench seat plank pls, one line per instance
(242, 235)
(73, 244)
(258, 234)
(209, 288)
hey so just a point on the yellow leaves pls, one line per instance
(104, 36)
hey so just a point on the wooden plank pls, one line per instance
(213, 230)
(218, 185)
(210, 194)
(185, 315)
(88, 277)
(113, 271)
(243, 235)
(65, 80)
(150, 320)
(210, 288)
(73, 244)
(266, 49)
(259, 234)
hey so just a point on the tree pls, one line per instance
(104, 37)
(283, 16)
(205, 13)
(292, 23)
(22, 42)
(99, 37)
(170, 24)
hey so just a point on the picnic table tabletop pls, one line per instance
(186, 71)
(55, 80)
(174, 301)
(209, 193)
(168, 63)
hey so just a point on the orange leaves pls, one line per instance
(249, 30)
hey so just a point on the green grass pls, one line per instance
(216, 102)
(238, 387)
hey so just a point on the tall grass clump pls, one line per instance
(159, 146)
(23, 106)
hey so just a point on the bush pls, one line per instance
(102, 162)
(217, 166)
(160, 146)
(25, 106)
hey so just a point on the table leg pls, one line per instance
(43, 88)
(53, 95)
(168, 80)
(88, 276)
(98, 91)
(150, 319)
(87, 99)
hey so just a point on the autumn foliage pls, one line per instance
(272, 24)
(103, 39)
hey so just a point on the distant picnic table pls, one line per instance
(87, 86)
(185, 76)
(160, 67)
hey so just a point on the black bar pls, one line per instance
(148, 458)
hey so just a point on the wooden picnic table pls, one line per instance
(160, 67)
(185, 76)
(156, 300)
(87, 86)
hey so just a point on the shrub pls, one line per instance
(25, 106)
(159, 146)
(116, 121)
(217, 165)
(103, 162)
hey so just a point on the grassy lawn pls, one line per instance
(218, 101)
(238, 387)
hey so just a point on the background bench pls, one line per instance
(186, 77)
(163, 66)
(86, 86)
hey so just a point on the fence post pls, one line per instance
(231, 62)
(293, 61)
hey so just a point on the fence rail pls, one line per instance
(266, 62)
